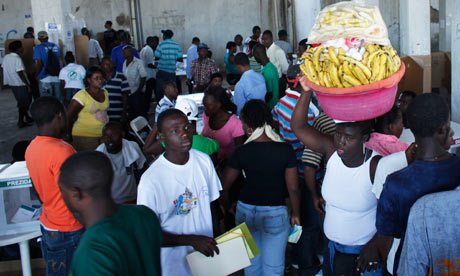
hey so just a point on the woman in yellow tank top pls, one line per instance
(87, 112)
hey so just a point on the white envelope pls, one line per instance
(232, 257)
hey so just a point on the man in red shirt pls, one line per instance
(202, 68)
(60, 229)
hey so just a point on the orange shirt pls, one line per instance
(44, 158)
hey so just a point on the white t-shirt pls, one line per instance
(148, 57)
(12, 64)
(73, 75)
(133, 73)
(95, 50)
(124, 188)
(180, 195)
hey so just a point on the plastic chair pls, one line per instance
(139, 126)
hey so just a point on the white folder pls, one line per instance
(232, 257)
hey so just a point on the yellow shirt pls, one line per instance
(93, 117)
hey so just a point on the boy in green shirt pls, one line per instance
(119, 239)
(270, 74)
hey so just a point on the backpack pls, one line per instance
(52, 66)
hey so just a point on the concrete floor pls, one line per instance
(10, 134)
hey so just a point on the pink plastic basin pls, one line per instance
(358, 106)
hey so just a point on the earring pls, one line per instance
(250, 131)
(364, 149)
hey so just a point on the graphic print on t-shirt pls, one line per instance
(100, 115)
(185, 203)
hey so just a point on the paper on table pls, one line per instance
(232, 257)
(241, 231)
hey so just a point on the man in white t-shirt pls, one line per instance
(180, 187)
(134, 71)
(126, 158)
(95, 51)
(14, 75)
(71, 77)
(147, 55)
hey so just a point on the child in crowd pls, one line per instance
(126, 157)
(252, 60)
(169, 99)
(388, 129)
(211, 147)
(61, 232)
(71, 77)
(216, 79)
(119, 239)
(180, 187)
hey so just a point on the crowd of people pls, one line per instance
(267, 155)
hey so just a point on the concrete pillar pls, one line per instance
(305, 13)
(54, 11)
(415, 27)
(445, 24)
(455, 49)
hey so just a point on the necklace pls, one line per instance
(436, 157)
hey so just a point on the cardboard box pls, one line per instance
(440, 70)
(418, 75)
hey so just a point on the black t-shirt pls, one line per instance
(264, 165)
(109, 39)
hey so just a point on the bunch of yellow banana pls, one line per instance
(335, 69)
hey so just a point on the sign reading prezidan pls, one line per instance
(15, 182)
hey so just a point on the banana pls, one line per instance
(371, 57)
(397, 61)
(382, 69)
(370, 48)
(351, 80)
(363, 67)
(359, 74)
(316, 55)
(341, 51)
(321, 78)
(311, 72)
(347, 84)
(303, 68)
(334, 75)
(365, 58)
(328, 80)
(390, 64)
(346, 69)
(340, 73)
(333, 55)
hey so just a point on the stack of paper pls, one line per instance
(236, 248)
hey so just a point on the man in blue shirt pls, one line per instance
(117, 52)
(251, 84)
(47, 84)
(434, 169)
(431, 246)
(167, 54)
(192, 54)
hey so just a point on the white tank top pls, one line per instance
(351, 205)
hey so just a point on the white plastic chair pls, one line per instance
(138, 125)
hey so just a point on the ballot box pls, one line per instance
(20, 206)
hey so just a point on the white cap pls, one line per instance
(189, 108)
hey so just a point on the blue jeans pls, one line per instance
(269, 225)
(58, 249)
(349, 249)
(50, 89)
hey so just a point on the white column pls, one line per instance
(52, 11)
(455, 48)
(305, 15)
(415, 27)
(445, 24)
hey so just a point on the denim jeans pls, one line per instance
(58, 249)
(304, 251)
(136, 106)
(269, 225)
(50, 89)
(68, 95)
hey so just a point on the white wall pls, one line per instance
(214, 22)
(12, 15)
(96, 12)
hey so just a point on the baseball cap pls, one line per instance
(203, 46)
(42, 35)
(167, 33)
(189, 108)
